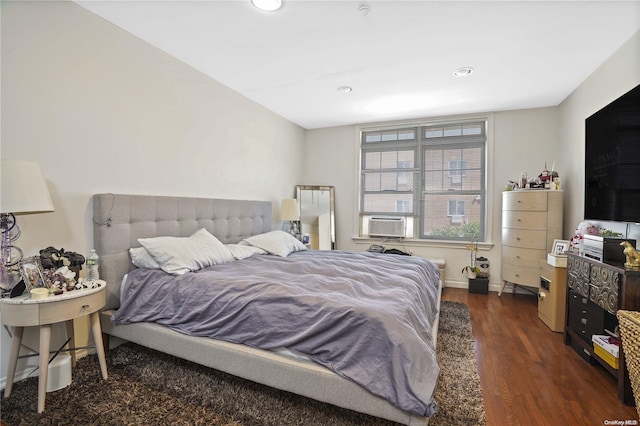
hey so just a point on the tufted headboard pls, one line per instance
(119, 220)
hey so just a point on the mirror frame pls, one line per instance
(332, 217)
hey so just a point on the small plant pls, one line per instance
(608, 233)
(472, 270)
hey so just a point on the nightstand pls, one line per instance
(22, 311)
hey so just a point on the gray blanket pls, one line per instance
(366, 316)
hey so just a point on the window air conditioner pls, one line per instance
(385, 226)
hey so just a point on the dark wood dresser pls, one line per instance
(595, 291)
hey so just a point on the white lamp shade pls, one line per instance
(289, 209)
(24, 189)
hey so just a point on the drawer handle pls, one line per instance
(85, 306)
(584, 321)
(584, 300)
(518, 238)
(584, 312)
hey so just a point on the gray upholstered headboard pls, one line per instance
(119, 220)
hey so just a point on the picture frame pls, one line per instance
(560, 247)
(31, 272)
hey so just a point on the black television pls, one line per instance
(612, 161)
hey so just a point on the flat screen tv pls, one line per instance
(612, 161)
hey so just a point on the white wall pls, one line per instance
(103, 111)
(616, 76)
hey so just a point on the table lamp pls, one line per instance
(24, 191)
(290, 212)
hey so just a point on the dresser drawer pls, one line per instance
(524, 220)
(583, 307)
(583, 327)
(524, 200)
(585, 317)
(71, 308)
(525, 275)
(522, 256)
(526, 238)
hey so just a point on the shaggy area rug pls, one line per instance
(146, 387)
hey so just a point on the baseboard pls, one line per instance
(493, 287)
(25, 373)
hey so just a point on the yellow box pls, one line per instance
(602, 353)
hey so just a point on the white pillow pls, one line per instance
(179, 255)
(242, 251)
(279, 243)
(142, 259)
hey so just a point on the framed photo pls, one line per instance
(31, 271)
(560, 247)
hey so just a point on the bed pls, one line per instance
(120, 221)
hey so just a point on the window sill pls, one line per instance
(421, 243)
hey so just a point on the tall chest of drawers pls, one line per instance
(531, 220)
(595, 292)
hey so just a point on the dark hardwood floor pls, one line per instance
(528, 375)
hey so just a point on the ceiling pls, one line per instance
(398, 58)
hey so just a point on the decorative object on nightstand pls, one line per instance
(93, 260)
(24, 311)
(531, 221)
(24, 191)
(290, 212)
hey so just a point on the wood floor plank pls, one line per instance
(528, 375)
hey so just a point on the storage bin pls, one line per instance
(59, 373)
(606, 356)
(629, 323)
(479, 285)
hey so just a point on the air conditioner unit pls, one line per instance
(386, 226)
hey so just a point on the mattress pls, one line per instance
(368, 317)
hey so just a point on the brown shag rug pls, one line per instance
(146, 387)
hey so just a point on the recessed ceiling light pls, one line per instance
(267, 5)
(463, 72)
(364, 9)
(344, 89)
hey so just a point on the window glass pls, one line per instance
(442, 188)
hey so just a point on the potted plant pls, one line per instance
(471, 271)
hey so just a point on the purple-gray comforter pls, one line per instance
(366, 316)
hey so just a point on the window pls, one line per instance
(433, 175)
(456, 208)
(456, 170)
(402, 206)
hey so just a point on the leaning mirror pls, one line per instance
(317, 217)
